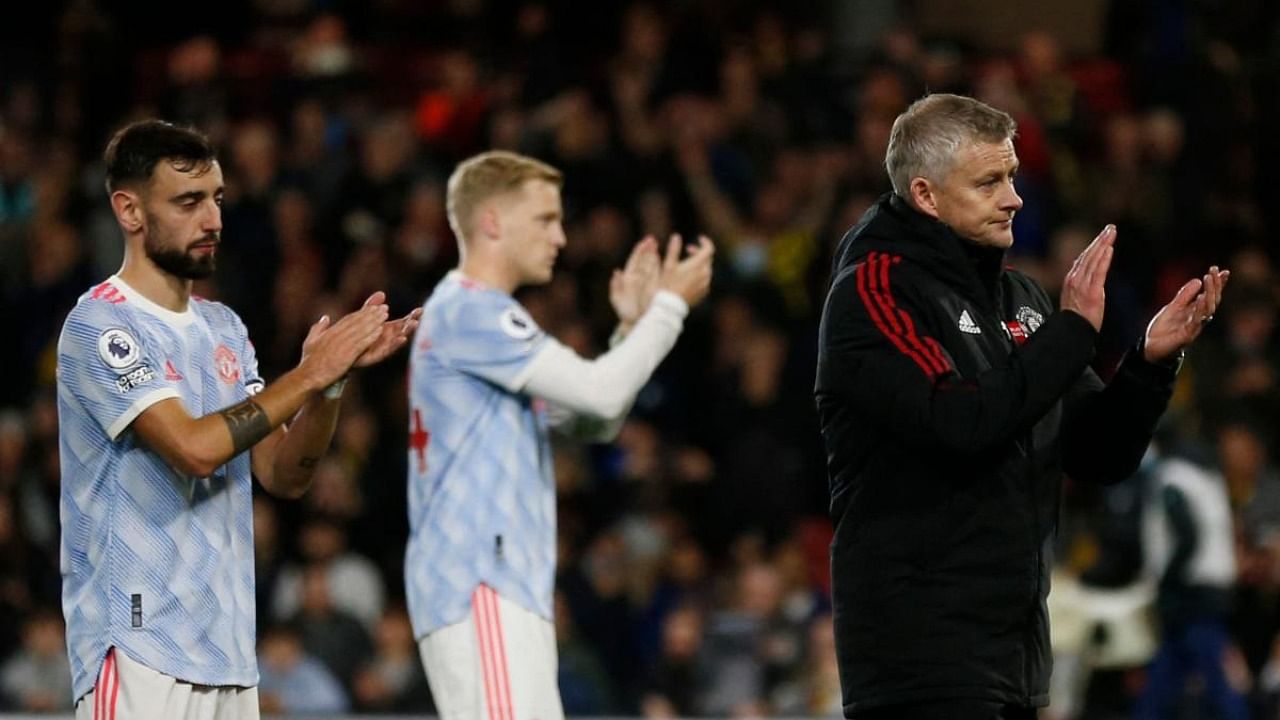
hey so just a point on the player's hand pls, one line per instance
(1179, 323)
(330, 349)
(393, 336)
(690, 278)
(633, 285)
(1083, 290)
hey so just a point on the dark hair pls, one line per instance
(135, 149)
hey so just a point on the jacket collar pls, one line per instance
(893, 226)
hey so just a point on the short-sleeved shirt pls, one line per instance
(481, 490)
(154, 562)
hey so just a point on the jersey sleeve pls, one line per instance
(251, 377)
(108, 365)
(253, 382)
(490, 337)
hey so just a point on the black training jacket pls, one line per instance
(952, 396)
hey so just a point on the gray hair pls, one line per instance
(929, 133)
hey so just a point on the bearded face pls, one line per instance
(192, 260)
(183, 219)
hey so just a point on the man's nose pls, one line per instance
(1011, 201)
(211, 219)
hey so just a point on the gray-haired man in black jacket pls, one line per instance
(952, 396)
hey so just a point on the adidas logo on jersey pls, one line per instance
(967, 325)
(170, 372)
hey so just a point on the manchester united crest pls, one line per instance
(1030, 318)
(228, 365)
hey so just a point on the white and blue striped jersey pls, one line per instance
(481, 492)
(154, 562)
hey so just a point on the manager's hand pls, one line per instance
(1083, 290)
(1179, 323)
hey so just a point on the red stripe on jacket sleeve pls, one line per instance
(927, 346)
(887, 325)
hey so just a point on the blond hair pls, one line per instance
(927, 135)
(487, 175)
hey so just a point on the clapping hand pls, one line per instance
(1179, 323)
(633, 285)
(688, 276)
(1084, 288)
(393, 336)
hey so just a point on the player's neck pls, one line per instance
(488, 273)
(168, 291)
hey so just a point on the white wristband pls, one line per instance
(334, 391)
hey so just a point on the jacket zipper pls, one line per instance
(1028, 444)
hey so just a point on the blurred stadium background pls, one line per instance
(693, 565)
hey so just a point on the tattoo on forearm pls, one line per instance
(248, 424)
(308, 463)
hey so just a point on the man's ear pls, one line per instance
(488, 224)
(923, 197)
(128, 209)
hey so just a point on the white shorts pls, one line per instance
(129, 690)
(498, 664)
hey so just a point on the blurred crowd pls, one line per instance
(692, 551)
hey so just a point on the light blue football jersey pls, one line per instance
(481, 492)
(154, 562)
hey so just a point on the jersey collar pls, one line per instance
(170, 317)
